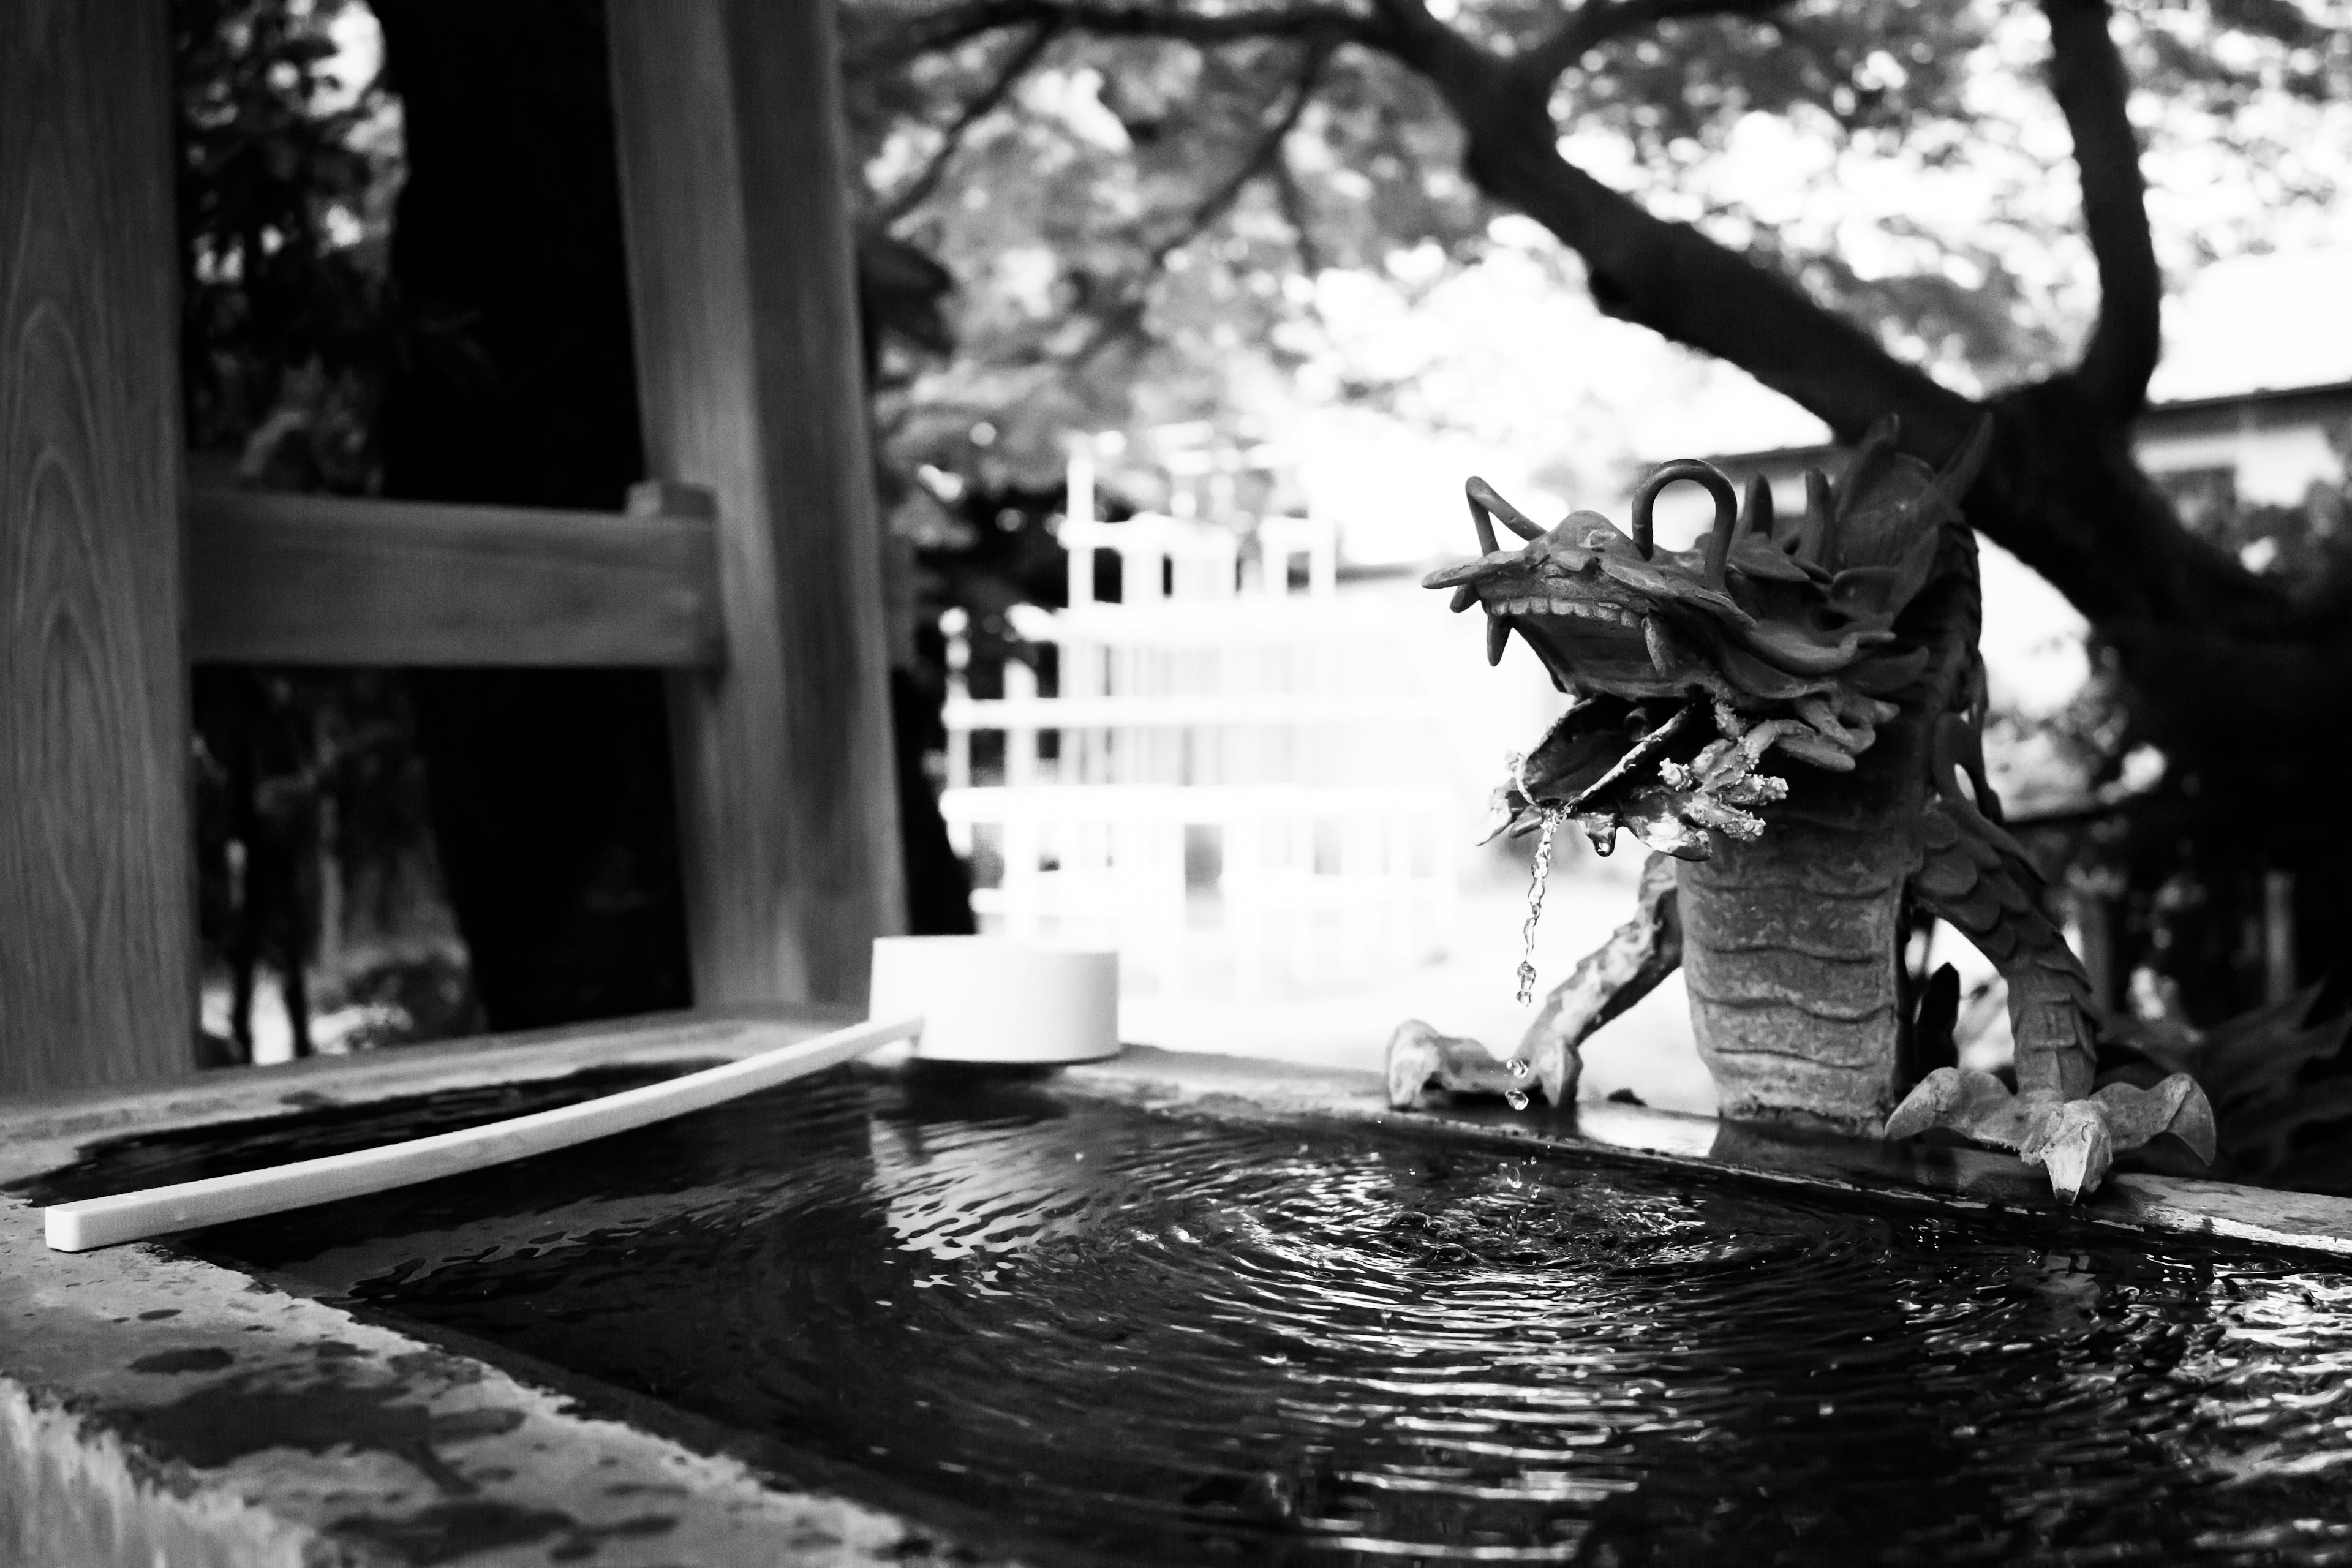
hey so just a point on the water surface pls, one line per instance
(1123, 1337)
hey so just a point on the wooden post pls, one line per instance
(734, 159)
(96, 896)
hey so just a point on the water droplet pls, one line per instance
(1517, 1067)
(1536, 876)
(1515, 1098)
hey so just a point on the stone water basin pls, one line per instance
(1191, 1311)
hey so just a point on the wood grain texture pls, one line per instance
(96, 906)
(732, 158)
(323, 580)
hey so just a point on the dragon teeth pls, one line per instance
(1580, 609)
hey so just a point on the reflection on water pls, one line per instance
(1131, 1338)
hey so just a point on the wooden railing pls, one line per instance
(326, 580)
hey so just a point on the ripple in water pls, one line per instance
(1114, 1336)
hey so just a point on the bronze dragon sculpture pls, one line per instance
(1843, 643)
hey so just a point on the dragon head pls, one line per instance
(1690, 667)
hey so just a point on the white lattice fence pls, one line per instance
(1234, 784)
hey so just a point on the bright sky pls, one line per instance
(2255, 321)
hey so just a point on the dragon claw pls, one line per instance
(1418, 1056)
(1414, 1058)
(2073, 1145)
(2075, 1141)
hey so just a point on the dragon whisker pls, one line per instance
(1479, 520)
(1484, 498)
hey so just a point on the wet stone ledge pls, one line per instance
(155, 1408)
(1910, 1173)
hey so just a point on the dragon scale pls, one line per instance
(1792, 957)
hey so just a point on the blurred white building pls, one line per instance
(2268, 446)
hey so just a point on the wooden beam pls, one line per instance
(325, 580)
(733, 169)
(96, 886)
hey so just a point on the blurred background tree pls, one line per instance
(1949, 211)
(1088, 216)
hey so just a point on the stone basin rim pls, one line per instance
(82, 1478)
(44, 1133)
(40, 1134)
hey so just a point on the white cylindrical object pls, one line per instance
(989, 999)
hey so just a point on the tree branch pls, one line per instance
(1673, 280)
(1294, 212)
(2088, 80)
(1596, 22)
(983, 104)
(957, 24)
(2061, 490)
(1262, 156)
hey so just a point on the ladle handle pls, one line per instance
(1726, 510)
(183, 1205)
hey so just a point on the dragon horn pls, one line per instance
(1820, 510)
(1726, 510)
(1487, 543)
(1483, 500)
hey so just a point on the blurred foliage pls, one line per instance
(286, 178)
(1129, 228)
(315, 863)
(2180, 856)
(1136, 226)
(309, 796)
